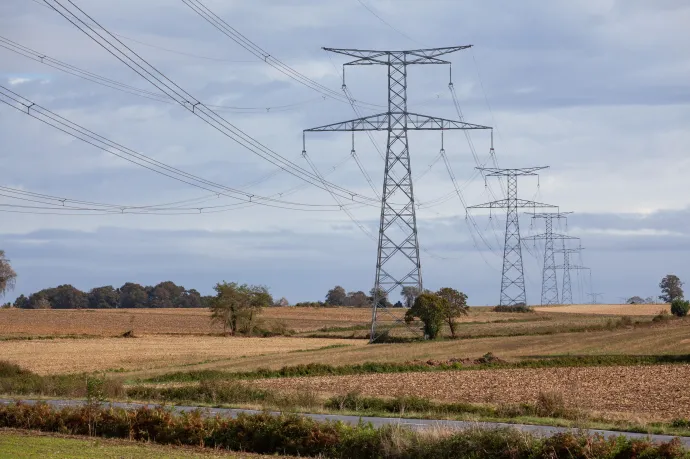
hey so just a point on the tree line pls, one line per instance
(131, 295)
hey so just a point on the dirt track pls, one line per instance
(655, 391)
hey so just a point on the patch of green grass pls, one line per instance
(18, 444)
(331, 346)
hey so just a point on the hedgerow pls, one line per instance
(302, 436)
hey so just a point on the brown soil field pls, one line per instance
(113, 322)
(668, 338)
(608, 309)
(654, 391)
(59, 356)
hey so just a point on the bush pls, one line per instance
(680, 307)
(520, 307)
(662, 316)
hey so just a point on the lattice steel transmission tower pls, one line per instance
(546, 237)
(397, 261)
(512, 277)
(567, 292)
(549, 280)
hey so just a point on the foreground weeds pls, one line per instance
(18, 381)
(300, 436)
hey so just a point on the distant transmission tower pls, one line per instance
(552, 267)
(397, 261)
(567, 292)
(595, 297)
(549, 280)
(513, 277)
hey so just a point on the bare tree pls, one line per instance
(8, 277)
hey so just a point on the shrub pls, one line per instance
(520, 307)
(680, 307)
(662, 316)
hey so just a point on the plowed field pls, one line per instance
(659, 392)
(608, 309)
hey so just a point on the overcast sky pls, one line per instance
(599, 90)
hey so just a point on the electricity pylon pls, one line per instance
(549, 280)
(397, 261)
(567, 292)
(546, 237)
(513, 277)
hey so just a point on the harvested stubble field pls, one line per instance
(608, 309)
(667, 338)
(655, 392)
(60, 356)
(113, 322)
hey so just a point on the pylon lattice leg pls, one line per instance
(512, 278)
(398, 263)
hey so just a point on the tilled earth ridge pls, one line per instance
(658, 391)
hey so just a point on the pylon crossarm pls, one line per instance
(433, 123)
(534, 205)
(493, 172)
(413, 56)
(500, 204)
(380, 122)
(368, 123)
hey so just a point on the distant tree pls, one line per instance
(409, 294)
(336, 296)
(283, 302)
(236, 306)
(357, 299)
(39, 301)
(381, 295)
(21, 302)
(398, 304)
(6, 305)
(635, 300)
(8, 277)
(165, 295)
(133, 296)
(671, 288)
(189, 299)
(104, 298)
(66, 297)
(431, 309)
(456, 306)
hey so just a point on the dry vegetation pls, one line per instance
(112, 322)
(608, 309)
(654, 391)
(60, 356)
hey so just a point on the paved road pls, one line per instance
(412, 423)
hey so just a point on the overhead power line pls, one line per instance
(114, 46)
(44, 59)
(56, 121)
(226, 29)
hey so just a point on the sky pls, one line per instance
(598, 90)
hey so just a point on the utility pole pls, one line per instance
(397, 261)
(549, 280)
(512, 277)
